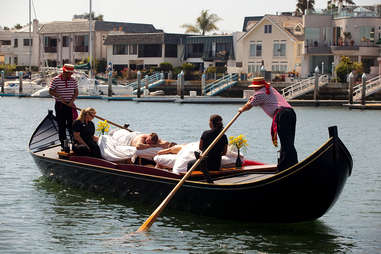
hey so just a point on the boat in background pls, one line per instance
(28, 87)
(253, 192)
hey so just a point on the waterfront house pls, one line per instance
(15, 45)
(144, 50)
(272, 41)
(68, 41)
(352, 31)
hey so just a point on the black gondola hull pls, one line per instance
(303, 192)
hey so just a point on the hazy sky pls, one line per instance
(163, 14)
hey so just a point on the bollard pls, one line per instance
(182, 84)
(138, 77)
(363, 90)
(2, 82)
(350, 88)
(109, 94)
(316, 89)
(203, 84)
(263, 72)
(20, 81)
(161, 75)
(170, 75)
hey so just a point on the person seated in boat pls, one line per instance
(213, 159)
(85, 143)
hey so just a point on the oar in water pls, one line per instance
(147, 224)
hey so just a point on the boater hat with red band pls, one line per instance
(260, 82)
(68, 68)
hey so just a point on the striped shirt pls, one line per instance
(65, 88)
(269, 102)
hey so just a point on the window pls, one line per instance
(28, 42)
(312, 34)
(5, 42)
(81, 43)
(222, 50)
(120, 49)
(65, 41)
(15, 60)
(279, 48)
(279, 67)
(149, 50)
(170, 50)
(133, 49)
(50, 44)
(195, 50)
(255, 48)
(299, 50)
(16, 43)
(268, 29)
(365, 32)
(254, 67)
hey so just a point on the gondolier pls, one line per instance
(284, 119)
(64, 89)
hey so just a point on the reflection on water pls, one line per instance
(75, 213)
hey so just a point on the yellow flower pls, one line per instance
(103, 127)
(239, 142)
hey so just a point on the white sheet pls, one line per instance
(179, 162)
(115, 147)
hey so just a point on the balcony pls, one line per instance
(50, 49)
(81, 48)
(345, 47)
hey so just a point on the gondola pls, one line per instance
(254, 192)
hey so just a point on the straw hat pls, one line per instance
(259, 82)
(68, 68)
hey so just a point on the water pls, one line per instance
(37, 216)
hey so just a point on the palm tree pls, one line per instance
(303, 5)
(205, 23)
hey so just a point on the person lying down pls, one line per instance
(121, 145)
(177, 157)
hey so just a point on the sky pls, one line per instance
(168, 15)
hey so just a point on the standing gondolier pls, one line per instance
(64, 89)
(284, 119)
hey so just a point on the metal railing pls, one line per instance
(303, 86)
(221, 84)
(371, 86)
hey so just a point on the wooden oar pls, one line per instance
(101, 118)
(151, 219)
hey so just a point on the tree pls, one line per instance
(6, 28)
(17, 26)
(87, 16)
(303, 5)
(205, 23)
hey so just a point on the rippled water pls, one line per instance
(37, 216)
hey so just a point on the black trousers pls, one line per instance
(84, 151)
(64, 117)
(286, 122)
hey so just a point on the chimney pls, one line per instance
(35, 26)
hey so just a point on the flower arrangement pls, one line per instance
(239, 142)
(103, 127)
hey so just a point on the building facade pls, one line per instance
(272, 42)
(19, 47)
(354, 31)
(68, 41)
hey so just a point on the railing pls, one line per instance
(151, 79)
(50, 49)
(303, 86)
(81, 49)
(371, 86)
(221, 84)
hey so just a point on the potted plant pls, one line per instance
(238, 143)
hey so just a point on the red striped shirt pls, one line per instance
(269, 102)
(65, 88)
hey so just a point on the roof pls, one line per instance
(284, 22)
(145, 38)
(252, 19)
(83, 26)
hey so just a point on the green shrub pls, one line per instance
(100, 65)
(345, 66)
(211, 69)
(7, 68)
(166, 67)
